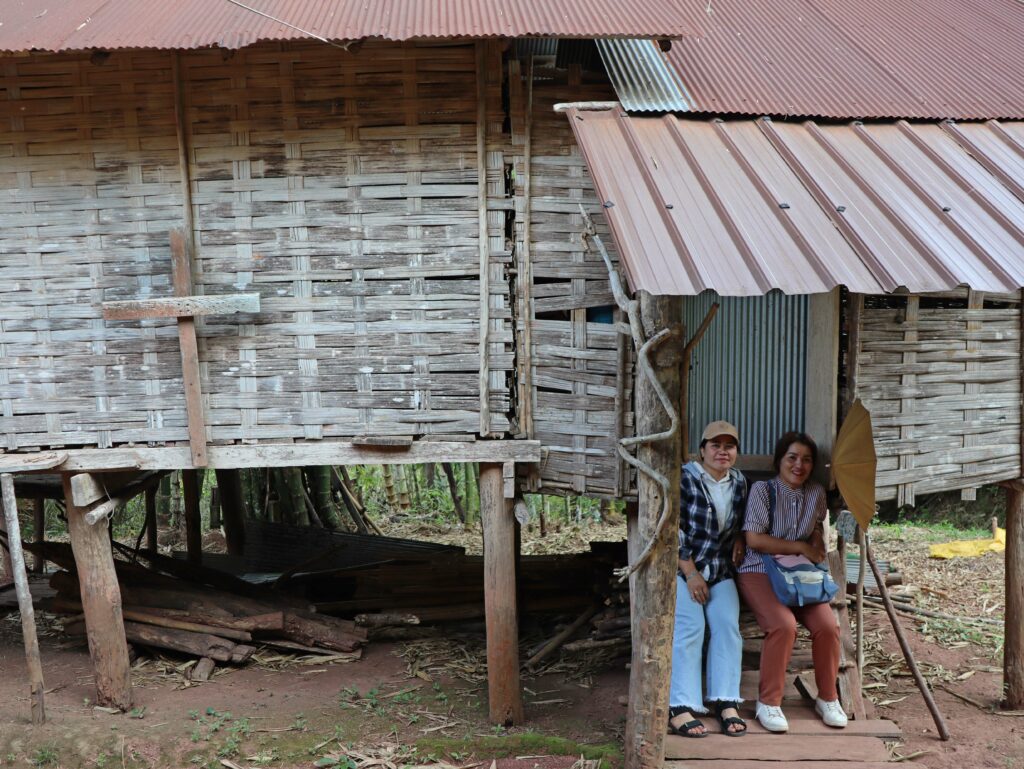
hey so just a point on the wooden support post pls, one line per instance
(822, 381)
(633, 546)
(1013, 646)
(151, 525)
(101, 603)
(655, 590)
(232, 505)
(8, 576)
(504, 693)
(192, 484)
(181, 269)
(28, 617)
(38, 532)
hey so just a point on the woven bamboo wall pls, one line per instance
(341, 187)
(578, 389)
(941, 376)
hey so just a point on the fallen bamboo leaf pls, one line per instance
(911, 756)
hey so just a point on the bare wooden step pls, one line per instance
(778, 747)
(882, 728)
(772, 764)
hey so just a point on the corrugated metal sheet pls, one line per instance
(747, 206)
(750, 367)
(642, 78)
(928, 59)
(113, 24)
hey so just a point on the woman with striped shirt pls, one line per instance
(785, 517)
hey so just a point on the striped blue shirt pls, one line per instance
(797, 513)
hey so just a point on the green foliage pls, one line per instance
(934, 511)
(45, 756)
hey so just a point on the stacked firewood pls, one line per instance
(199, 618)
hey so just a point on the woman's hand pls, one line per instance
(698, 588)
(814, 550)
(739, 550)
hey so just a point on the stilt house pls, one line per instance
(345, 234)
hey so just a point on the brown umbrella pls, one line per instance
(854, 462)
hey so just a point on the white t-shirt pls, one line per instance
(721, 497)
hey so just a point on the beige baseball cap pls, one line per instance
(720, 427)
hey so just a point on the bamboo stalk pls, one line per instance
(28, 617)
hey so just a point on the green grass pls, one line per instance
(519, 744)
(948, 515)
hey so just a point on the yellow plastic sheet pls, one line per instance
(969, 548)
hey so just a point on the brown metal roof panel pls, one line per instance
(926, 59)
(112, 24)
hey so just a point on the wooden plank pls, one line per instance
(296, 454)
(770, 748)
(28, 463)
(769, 763)
(483, 242)
(905, 491)
(975, 302)
(812, 725)
(822, 378)
(505, 704)
(101, 604)
(181, 271)
(181, 307)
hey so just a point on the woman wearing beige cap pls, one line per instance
(713, 497)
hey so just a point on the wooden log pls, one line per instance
(561, 637)
(505, 704)
(233, 509)
(5, 553)
(202, 670)
(192, 484)
(28, 617)
(386, 620)
(185, 641)
(655, 585)
(38, 532)
(101, 604)
(327, 632)
(1013, 646)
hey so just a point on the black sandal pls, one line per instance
(684, 730)
(731, 720)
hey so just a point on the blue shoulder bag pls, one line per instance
(800, 585)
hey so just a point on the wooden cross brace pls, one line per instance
(185, 307)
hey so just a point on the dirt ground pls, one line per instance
(417, 703)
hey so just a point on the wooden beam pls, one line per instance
(152, 528)
(28, 617)
(505, 704)
(232, 503)
(300, 454)
(101, 603)
(181, 274)
(654, 589)
(1013, 645)
(106, 508)
(484, 239)
(181, 307)
(905, 490)
(192, 489)
(822, 379)
(31, 463)
(87, 488)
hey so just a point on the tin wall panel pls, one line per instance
(750, 367)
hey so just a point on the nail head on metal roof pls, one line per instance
(668, 206)
(783, 205)
(608, 204)
(840, 209)
(946, 209)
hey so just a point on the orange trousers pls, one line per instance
(779, 624)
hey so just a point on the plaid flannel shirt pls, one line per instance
(699, 537)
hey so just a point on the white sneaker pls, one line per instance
(771, 717)
(831, 713)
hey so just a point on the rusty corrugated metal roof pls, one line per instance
(746, 206)
(928, 59)
(63, 25)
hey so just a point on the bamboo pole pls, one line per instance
(922, 685)
(28, 617)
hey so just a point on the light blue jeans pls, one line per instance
(721, 614)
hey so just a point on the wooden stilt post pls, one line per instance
(232, 505)
(655, 589)
(633, 546)
(8, 569)
(1013, 646)
(151, 525)
(504, 693)
(38, 532)
(28, 617)
(101, 603)
(191, 481)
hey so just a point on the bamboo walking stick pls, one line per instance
(28, 617)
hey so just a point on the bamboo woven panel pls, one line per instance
(343, 188)
(580, 378)
(946, 406)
